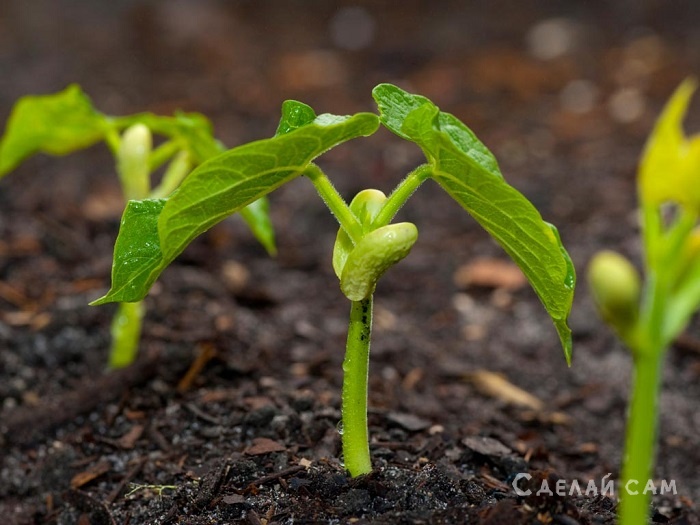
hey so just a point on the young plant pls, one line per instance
(648, 317)
(64, 122)
(155, 231)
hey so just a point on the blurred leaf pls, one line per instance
(193, 131)
(56, 124)
(670, 166)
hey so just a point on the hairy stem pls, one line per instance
(126, 333)
(400, 195)
(354, 403)
(335, 202)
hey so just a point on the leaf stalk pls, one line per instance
(338, 207)
(401, 194)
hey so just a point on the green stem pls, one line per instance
(676, 238)
(113, 140)
(401, 194)
(163, 154)
(641, 438)
(178, 169)
(652, 235)
(354, 403)
(126, 333)
(335, 202)
(642, 418)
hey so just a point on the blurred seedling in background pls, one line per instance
(65, 122)
(648, 316)
(155, 231)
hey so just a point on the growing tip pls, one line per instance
(616, 288)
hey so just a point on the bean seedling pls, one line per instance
(649, 317)
(155, 231)
(65, 122)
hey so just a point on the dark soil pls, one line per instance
(230, 415)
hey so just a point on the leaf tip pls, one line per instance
(100, 301)
(565, 338)
(270, 248)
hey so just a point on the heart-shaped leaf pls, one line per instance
(469, 173)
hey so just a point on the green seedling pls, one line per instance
(649, 316)
(155, 231)
(65, 122)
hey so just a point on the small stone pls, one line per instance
(409, 422)
(262, 446)
(486, 446)
(233, 499)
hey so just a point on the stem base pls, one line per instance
(355, 435)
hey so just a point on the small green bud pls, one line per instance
(132, 161)
(616, 289)
(366, 206)
(374, 255)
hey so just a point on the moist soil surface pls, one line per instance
(231, 412)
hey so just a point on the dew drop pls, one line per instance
(339, 427)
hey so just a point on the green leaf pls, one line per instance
(469, 173)
(257, 214)
(218, 188)
(56, 124)
(294, 115)
(257, 217)
(194, 132)
(137, 252)
(223, 185)
(395, 105)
